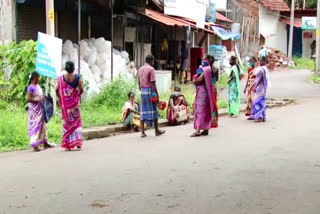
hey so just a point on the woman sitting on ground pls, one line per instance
(178, 110)
(130, 113)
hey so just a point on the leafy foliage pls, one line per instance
(309, 3)
(22, 58)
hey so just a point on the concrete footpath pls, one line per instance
(98, 132)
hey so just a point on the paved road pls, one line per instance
(242, 167)
(286, 84)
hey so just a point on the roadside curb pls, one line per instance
(98, 132)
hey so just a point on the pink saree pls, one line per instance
(69, 99)
(204, 104)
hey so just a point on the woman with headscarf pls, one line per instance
(69, 91)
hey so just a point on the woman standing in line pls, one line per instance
(69, 91)
(215, 79)
(259, 107)
(250, 84)
(204, 104)
(37, 128)
(234, 88)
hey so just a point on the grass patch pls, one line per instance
(315, 78)
(101, 110)
(13, 128)
(303, 63)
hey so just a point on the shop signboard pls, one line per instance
(309, 23)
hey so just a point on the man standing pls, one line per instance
(148, 88)
(184, 62)
(263, 53)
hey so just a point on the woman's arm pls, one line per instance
(232, 77)
(80, 86)
(199, 80)
(185, 102)
(33, 100)
(245, 88)
(171, 103)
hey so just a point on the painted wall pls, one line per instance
(273, 29)
(7, 21)
(306, 43)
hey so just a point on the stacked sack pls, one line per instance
(95, 62)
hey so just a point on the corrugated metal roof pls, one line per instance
(276, 5)
(221, 17)
(296, 23)
(170, 20)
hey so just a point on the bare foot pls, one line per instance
(160, 132)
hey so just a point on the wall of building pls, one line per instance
(274, 31)
(306, 43)
(7, 21)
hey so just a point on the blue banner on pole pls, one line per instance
(49, 51)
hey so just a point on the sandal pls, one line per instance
(160, 132)
(205, 133)
(36, 149)
(196, 134)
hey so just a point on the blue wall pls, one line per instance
(297, 41)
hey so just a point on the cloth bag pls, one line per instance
(182, 115)
(48, 109)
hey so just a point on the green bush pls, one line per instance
(22, 58)
(303, 63)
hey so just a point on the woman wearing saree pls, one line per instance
(130, 113)
(215, 79)
(234, 88)
(259, 107)
(204, 104)
(69, 92)
(178, 110)
(250, 84)
(37, 128)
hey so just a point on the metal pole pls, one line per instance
(318, 40)
(111, 40)
(79, 33)
(50, 31)
(193, 39)
(208, 42)
(291, 29)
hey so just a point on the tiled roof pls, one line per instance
(276, 5)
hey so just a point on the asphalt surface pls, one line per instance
(242, 167)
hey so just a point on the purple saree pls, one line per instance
(204, 104)
(37, 129)
(258, 110)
